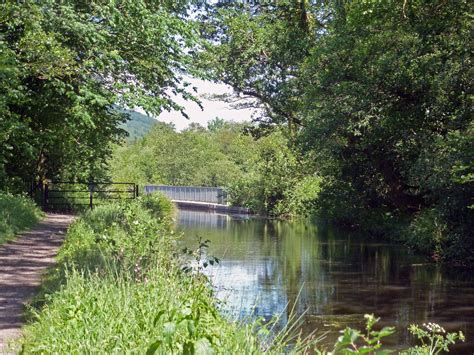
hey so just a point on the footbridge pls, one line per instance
(197, 197)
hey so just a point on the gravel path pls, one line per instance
(22, 263)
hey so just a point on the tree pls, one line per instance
(258, 50)
(64, 65)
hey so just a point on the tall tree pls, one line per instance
(63, 66)
(387, 88)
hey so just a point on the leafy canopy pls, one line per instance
(63, 66)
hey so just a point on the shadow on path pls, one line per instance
(22, 263)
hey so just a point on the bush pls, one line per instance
(17, 213)
(300, 199)
(159, 206)
(433, 233)
(246, 192)
(426, 232)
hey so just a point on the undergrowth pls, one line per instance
(17, 213)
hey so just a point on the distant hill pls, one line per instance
(138, 125)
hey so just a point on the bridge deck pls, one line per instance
(211, 206)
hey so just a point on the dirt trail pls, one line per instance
(22, 263)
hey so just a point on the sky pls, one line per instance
(211, 108)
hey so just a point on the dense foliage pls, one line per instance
(378, 93)
(367, 121)
(17, 213)
(391, 86)
(263, 173)
(63, 66)
(195, 156)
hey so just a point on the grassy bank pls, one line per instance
(120, 287)
(17, 213)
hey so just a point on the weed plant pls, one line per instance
(17, 213)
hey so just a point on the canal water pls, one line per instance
(330, 276)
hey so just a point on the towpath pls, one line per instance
(22, 264)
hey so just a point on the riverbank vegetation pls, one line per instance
(120, 286)
(367, 121)
(17, 213)
(367, 111)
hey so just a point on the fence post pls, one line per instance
(91, 189)
(136, 190)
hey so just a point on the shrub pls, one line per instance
(159, 205)
(300, 199)
(442, 237)
(426, 232)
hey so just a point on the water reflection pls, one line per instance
(269, 267)
(196, 218)
(190, 218)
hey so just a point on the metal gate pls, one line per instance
(69, 195)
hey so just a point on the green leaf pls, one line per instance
(157, 317)
(386, 331)
(191, 328)
(186, 312)
(153, 347)
(188, 348)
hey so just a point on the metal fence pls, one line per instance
(71, 195)
(191, 193)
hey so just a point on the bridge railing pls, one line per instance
(215, 195)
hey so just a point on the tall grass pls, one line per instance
(122, 289)
(17, 213)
